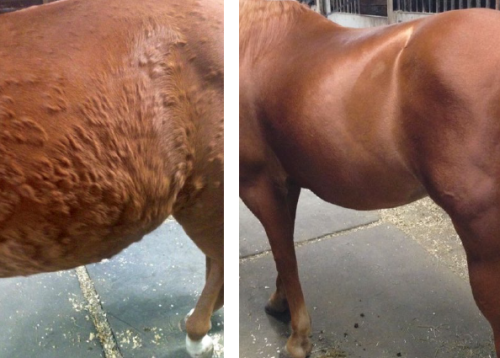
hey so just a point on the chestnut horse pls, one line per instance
(370, 119)
(111, 119)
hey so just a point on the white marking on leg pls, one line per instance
(189, 313)
(203, 348)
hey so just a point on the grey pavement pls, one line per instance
(315, 218)
(145, 291)
(43, 316)
(372, 292)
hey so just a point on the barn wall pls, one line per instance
(358, 21)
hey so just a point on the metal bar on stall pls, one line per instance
(328, 6)
(390, 11)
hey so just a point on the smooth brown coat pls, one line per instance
(368, 119)
(111, 119)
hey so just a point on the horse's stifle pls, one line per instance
(368, 119)
(111, 119)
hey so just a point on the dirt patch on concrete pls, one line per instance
(431, 227)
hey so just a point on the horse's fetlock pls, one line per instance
(197, 329)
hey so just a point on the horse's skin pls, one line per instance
(369, 119)
(111, 119)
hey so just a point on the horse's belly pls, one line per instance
(356, 182)
(369, 196)
(47, 247)
(48, 226)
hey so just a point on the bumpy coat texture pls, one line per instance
(111, 119)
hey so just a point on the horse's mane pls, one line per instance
(264, 21)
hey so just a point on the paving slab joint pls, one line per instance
(318, 239)
(98, 315)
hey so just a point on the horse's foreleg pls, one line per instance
(277, 305)
(269, 203)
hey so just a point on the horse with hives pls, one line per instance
(111, 119)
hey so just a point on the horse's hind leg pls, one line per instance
(473, 203)
(481, 238)
(198, 343)
(220, 299)
(205, 226)
(268, 202)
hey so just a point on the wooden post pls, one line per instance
(45, 1)
(391, 16)
(497, 5)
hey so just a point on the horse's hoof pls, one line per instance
(282, 316)
(203, 348)
(285, 354)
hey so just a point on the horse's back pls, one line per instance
(93, 124)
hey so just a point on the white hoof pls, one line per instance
(203, 348)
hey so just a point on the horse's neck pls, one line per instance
(265, 23)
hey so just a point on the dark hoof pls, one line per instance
(282, 316)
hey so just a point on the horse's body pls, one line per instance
(111, 119)
(367, 119)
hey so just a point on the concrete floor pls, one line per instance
(130, 305)
(380, 284)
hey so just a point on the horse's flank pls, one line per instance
(100, 132)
